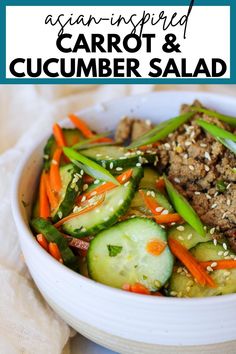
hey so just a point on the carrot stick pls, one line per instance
(53, 200)
(44, 208)
(81, 125)
(151, 203)
(221, 264)
(83, 211)
(54, 173)
(55, 252)
(167, 218)
(103, 188)
(155, 247)
(59, 136)
(139, 289)
(191, 263)
(42, 241)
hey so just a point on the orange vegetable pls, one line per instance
(54, 173)
(157, 294)
(53, 200)
(81, 125)
(150, 202)
(44, 208)
(83, 211)
(139, 289)
(42, 241)
(59, 136)
(54, 251)
(167, 218)
(103, 188)
(126, 287)
(160, 184)
(191, 263)
(155, 247)
(221, 264)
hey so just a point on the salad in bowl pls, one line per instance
(149, 209)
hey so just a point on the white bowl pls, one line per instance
(122, 321)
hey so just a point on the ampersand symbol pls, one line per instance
(170, 46)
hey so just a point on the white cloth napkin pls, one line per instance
(27, 324)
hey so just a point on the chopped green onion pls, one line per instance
(216, 131)
(81, 144)
(161, 131)
(183, 207)
(89, 165)
(231, 145)
(227, 119)
(221, 186)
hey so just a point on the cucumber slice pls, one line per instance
(71, 178)
(44, 227)
(72, 136)
(149, 178)
(118, 256)
(187, 236)
(138, 204)
(117, 158)
(116, 203)
(182, 285)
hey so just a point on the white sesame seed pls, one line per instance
(180, 238)
(180, 228)
(224, 215)
(98, 155)
(215, 195)
(126, 183)
(185, 156)
(159, 209)
(177, 180)
(214, 264)
(226, 253)
(203, 145)
(212, 231)
(165, 212)
(228, 202)
(153, 194)
(215, 241)
(220, 253)
(207, 155)
(207, 168)
(225, 246)
(208, 196)
(229, 185)
(213, 206)
(83, 198)
(119, 169)
(96, 181)
(111, 165)
(209, 269)
(189, 236)
(93, 193)
(83, 229)
(197, 193)
(179, 270)
(138, 164)
(59, 214)
(191, 167)
(187, 143)
(173, 293)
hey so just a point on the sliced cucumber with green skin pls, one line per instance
(118, 256)
(116, 203)
(187, 236)
(117, 158)
(181, 285)
(43, 226)
(149, 179)
(71, 179)
(139, 205)
(71, 136)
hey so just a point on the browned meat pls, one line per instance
(231, 234)
(195, 162)
(129, 128)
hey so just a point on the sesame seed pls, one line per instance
(177, 180)
(228, 202)
(54, 162)
(138, 164)
(226, 253)
(153, 194)
(220, 253)
(225, 246)
(159, 209)
(213, 206)
(224, 215)
(93, 193)
(83, 198)
(207, 168)
(59, 214)
(126, 183)
(214, 264)
(209, 269)
(185, 156)
(83, 229)
(96, 181)
(207, 155)
(98, 155)
(229, 185)
(187, 143)
(191, 167)
(189, 236)
(46, 157)
(215, 241)
(179, 270)
(180, 228)
(197, 193)
(165, 212)
(119, 169)
(203, 145)
(208, 196)
(188, 289)
(205, 228)
(216, 193)
(180, 238)
(122, 158)
(111, 165)
(212, 231)
(173, 293)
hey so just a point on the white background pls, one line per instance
(208, 34)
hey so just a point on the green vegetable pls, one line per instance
(215, 131)
(92, 166)
(229, 144)
(114, 250)
(227, 119)
(183, 207)
(161, 131)
(85, 142)
(221, 186)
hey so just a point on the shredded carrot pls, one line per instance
(42, 241)
(126, 287)
(54, 173)
(59, 136)
(83, 211)
(157, 294)
(155, 247)
(221, 264)
(139, 289)
(53, 200)
(167, 218)
(55, 252)
(103, 188)
(81, 125)
(191, 263)
(160, 184)
(44, 208)
(151, 203)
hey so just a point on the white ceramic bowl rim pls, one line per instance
(16, 208)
